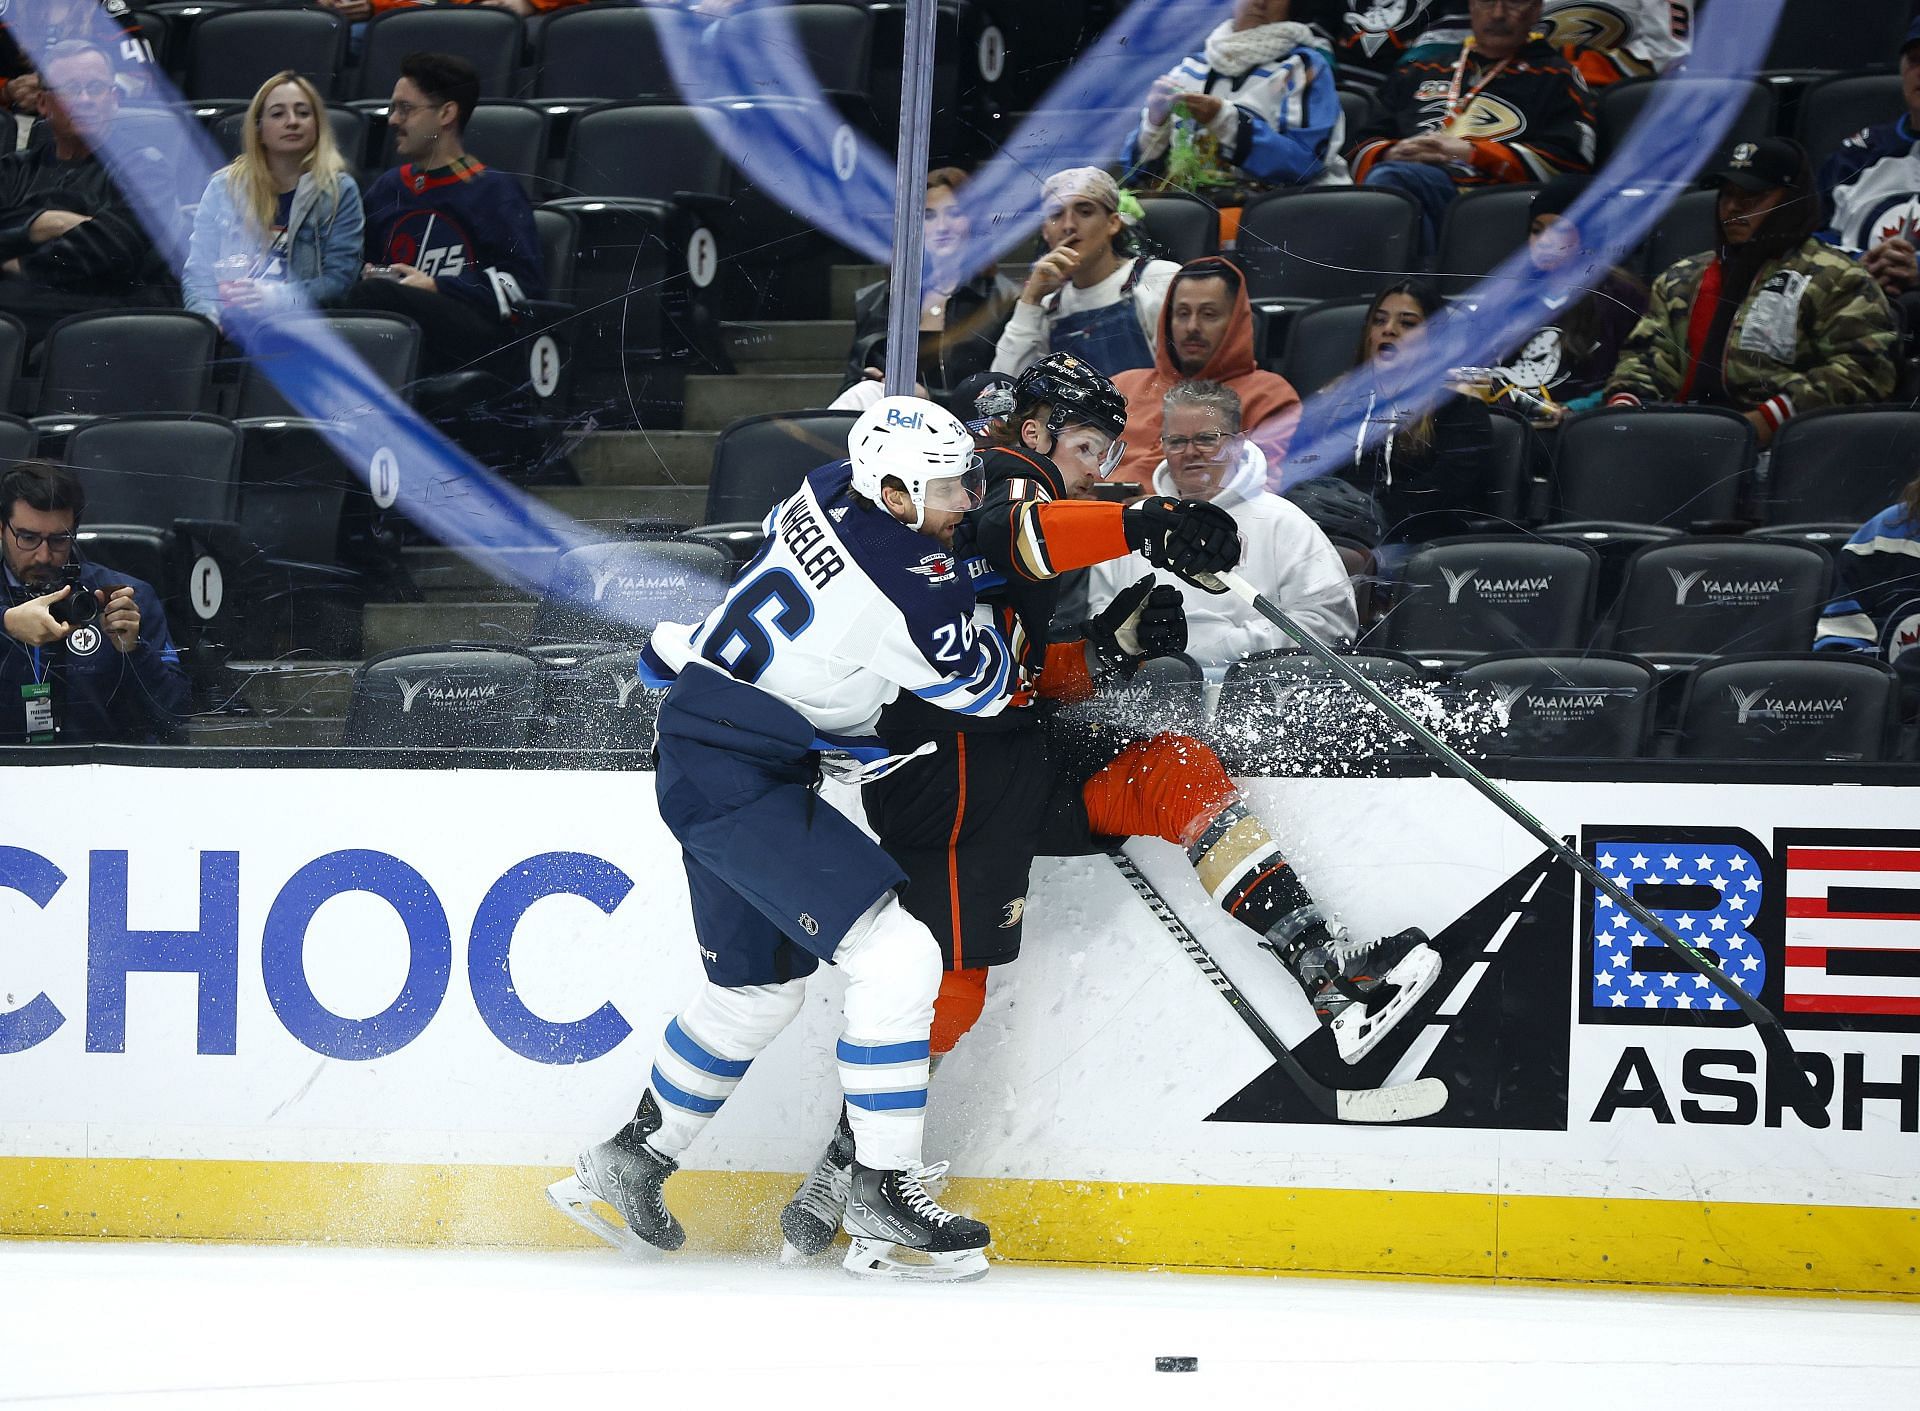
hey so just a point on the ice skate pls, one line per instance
(627, 1174)
(900, 1232)
(1359, 990)
(812, 1218)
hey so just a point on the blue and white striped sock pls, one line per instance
(690, 1082)
(886, 1087)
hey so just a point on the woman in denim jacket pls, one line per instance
(283, 216)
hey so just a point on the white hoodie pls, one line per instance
(1283, 554)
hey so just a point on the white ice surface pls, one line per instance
(154, 1326)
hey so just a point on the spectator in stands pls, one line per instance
(1870, 192)
(1772, 323)
(111, 26)
(1876, 605)
(69, 240)
(115, 679)
(1606, 42)
(1091, 294)
(284, 214)
(1500, 107)
(1427, 476)
(1371, 34)
(1253, 111)
(449, 243)
(1283, 552)
(20, 96)
(959, 327)
(1566, 364)
(1206, 331)
(360, 11)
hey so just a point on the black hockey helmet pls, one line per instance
(1075, 391)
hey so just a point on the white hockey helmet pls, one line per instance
(917, 443)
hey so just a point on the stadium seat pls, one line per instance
(13, 348)
(140, 360)
(350, 131)
(1804, 706)
(1283, 712)
(464, 696)
(1841, 465)
(153, 470)
(835, 40)
(760, 460)
(1302, 247)
(488, 39)
(1568, 704)
(1671, 466)
(600, 704)
(1323, 343)
(17, 441)
(618, 592)
(1691, 226)
(1510, 469)
(1808, 37)
(1184, 226)
(1620, 106)
(1694, 598)
(1834, 109)
(389, 345)
(1465, 597)
(508, 136)
(607, 52)
(1481, 229)
(1357, 108)
(231, 55)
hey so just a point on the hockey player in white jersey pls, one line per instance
(853, 598)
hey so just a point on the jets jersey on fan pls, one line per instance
(842, 609)
(1876, 607)
(1872, 188)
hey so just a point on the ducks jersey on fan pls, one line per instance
(842, 609)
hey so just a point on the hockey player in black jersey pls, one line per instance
(966, 821)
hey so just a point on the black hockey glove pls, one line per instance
(1145, 620)
(1187, 537)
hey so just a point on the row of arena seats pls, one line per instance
(1275, 713)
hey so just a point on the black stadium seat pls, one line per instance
(1621, 104)
(608, 52)
(389, 344)
(508, 136)
(1812, 35)
(1691, 226)
(1671, 466)
(1465, 597)
(1510, 468)
(13, 349)
(488, 39)
(835, 41)
(349, 126)
(1184, 226)
(1841, 465)
(1481, 229)
(458, 696)
(1805, 706)
(1300, 247)
(153, 470)
(1834, 109)
(1284, 712)
(1323, 343)
(141, 360)
(760, 460)
(1568, 704)
(618, 592)
(231, 55)
(600, 704)
(1694, 598)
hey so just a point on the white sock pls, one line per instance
(892, 965)
(706, 1051)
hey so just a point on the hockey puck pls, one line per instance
(1176, 1364)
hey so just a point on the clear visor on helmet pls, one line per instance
(960, 492)
(1110, 458)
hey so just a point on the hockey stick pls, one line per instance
(1800, 1088)
(1403, 1102)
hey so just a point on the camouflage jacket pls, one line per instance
(1813, 331)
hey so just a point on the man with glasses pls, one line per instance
(70, 241)
(1283, 553)
(114, 678)
(1500, 107)
(450, 242)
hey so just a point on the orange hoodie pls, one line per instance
(1269, 407)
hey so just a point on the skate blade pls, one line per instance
(572, 1199)
(883, 1259)
(1356, 1033)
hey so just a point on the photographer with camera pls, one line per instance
(84, 651)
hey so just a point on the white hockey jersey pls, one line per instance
(841, 610)
(1652, 34)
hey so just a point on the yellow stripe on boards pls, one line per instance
(1247, 1229)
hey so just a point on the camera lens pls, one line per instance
(79, 608)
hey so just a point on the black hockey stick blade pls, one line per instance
(1784, 1067)
(1403, 1102)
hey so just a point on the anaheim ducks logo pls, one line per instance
(1383, 16)
(1538, 364)
(1489, 119)
(1587, 26)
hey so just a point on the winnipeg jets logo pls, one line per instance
(935, 568)
(1683, 584)
(1744, 702)
(84, 641)
(431, 242)
(1456, 580)
(409, 690)
(1903, 636)
(1899, 221)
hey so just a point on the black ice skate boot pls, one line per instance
(901, 1232)
(627, 1174)
(812, 1218)
(1359, 989)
